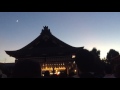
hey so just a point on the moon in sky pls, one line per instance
(16, 20)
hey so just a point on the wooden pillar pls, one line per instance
(67, 70)
(40, 64)
(53, 70)
(77, 70)
(16, 60)
(41, 69)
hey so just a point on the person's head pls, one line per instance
(85, 61)
(47, 74)
(26, 69)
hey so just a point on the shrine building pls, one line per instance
(53, 54)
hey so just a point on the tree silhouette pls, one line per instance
(111, 54)
(99, 64)
(104, 60)
(96, 53)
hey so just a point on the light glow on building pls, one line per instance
(73, 56)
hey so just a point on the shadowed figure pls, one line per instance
(117, 71)
(3, 71)
(2, 75)
(108, 71)
(26, 69)
(85, 63)
(47, 74)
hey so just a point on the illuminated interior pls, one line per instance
(58, 68)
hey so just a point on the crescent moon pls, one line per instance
(16, 20)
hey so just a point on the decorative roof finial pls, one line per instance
(45, 28)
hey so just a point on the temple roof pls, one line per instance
(44, 44)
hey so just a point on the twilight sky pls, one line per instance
(88, 29)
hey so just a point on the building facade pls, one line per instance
(53, 54)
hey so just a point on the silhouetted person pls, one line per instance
(71, 74)
(54, 76)
(62, 75)
(85, 64)
(2, 75)
(47, 74)
(99, 70)
(117, 71)
(108, 72)
(26, 69)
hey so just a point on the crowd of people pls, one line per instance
(86, 66)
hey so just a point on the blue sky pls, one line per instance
(88, 29)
